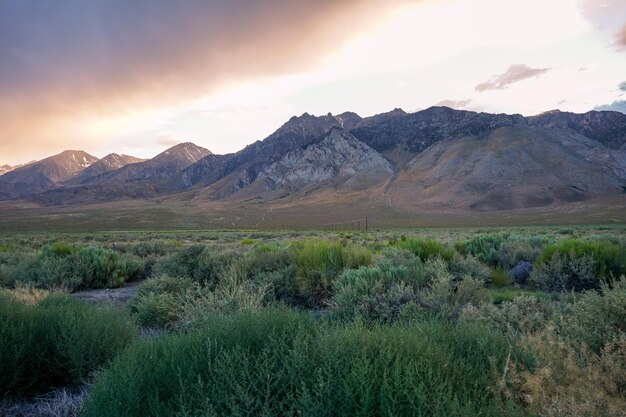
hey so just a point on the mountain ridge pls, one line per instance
(485, 161)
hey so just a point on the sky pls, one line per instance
(137, 77)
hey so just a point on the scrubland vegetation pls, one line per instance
(459, 322)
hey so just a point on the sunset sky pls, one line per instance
(139, 76)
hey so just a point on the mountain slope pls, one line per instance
(132, 181)
(110, 162)
(513, 167)
(45, 174)
(431, 159)
(249, 162)
(165, 165)
(606, 127)
(339, 161)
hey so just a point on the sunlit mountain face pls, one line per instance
(138, 77)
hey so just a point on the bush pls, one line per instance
(377, 293)
(563, 385)
(520, 316)
(597, 317)
(487, 248)
(320, 262)
(157, 310)
(426, 249)
(201, 264)
(468, 265)
(500, 278)
(565, 273)
(60, 266)
(280, 363)
(55, 343)
(609, 258)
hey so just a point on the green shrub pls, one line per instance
(578, 264)
(500, 278)
(319, 263)
(564, 273)
(597, 317)
(276, 363)
(55, 343)
(520, 316)
(61, 266)
(158, 301)
(486, 247)
(202, 264)
(426, 249)
(234, 294)
(151, 248)
(377, 293)
(274, 268)
(157, 310)
(165, 284)
(468, 265)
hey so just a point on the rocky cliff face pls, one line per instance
(296, 133)
(338, 160)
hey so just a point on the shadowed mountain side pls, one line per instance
(607, 127)
(515, 167)
(132, 181)
(45, 174)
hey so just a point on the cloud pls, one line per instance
(620, 38)
(67, 64)
(513, 74)
(455, 104)
(169, 140)
(617, 105)
(622, 86)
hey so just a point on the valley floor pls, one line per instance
(318, 214)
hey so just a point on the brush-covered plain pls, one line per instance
(433, 322)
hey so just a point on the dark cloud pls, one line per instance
(617, 105)
(455, 104)
(622, 86)
(513, 74)
(79, 59)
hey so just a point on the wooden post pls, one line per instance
(365, 224)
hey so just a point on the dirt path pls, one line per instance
(115, 295)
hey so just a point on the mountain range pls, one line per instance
(434, 159)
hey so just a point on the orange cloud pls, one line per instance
(66, 65)
(620, 38)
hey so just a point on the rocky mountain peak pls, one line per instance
(186, 152)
